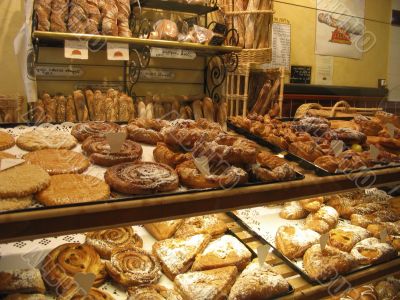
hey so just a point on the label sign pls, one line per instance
(7, 163)
(157, 74)
(85, 281)
(117, 51)
(337, 147)
(76, 49)
(373, 152)
(116, 140)
(58, 71)
(172, 53)
(300, 74)
(202, 165)
(262, 253)
(323, 240)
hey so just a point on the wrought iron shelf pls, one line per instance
(53, 39)
(179, 7)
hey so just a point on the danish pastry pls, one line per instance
(312, 204)
(208, 224)
(83, 130)
(292, 210)
(163, 230)
(323, 220)
(170, 155)
(146, 131)
(307, 150)
(345, 237)
(328, 163)
(371, 251)
(391, 228)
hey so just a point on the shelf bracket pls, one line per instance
(139, 59)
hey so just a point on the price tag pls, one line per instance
(383, 235)
(85, 281)
(202, 165)
(117, 51)
(391, 129)
(337, 147)
(172, 53)
(262, 253)
(7, 163)
(116, 140)
(323, 240)
(76, 49)
(373, 152)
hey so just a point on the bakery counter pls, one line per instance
(52, 221)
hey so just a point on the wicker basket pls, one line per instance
(11, 109)
(255, 56)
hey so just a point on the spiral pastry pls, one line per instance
(64, 262)
(133, 266)
(146, 130)
(142, 178)
(94, 294)
(98, 150)
(83, 130)
(104, 241)
(153, 292)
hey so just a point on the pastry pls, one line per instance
(177, 255)
(146, 130)
(387, 118)
(350, 160)
(152, 292)
(170, 155)
(208, 109)
(21, 281)
(6, 155)
(43, 12)
(14, 203)
(328, 163)
(222, 252)
(166, 30)
(132, 266)
(163, 230)
(258, 282)
(62, 263)
(6, 140)
(23, 180)
(269, 160)
(312, 204)
(207, 224)
(365, 292)
(78, 16)
(323, 220)
(367, 125)
(292, 210)
(206, 285)
(25, 297)
(56, 161)
(322, 265)
(142, 178)
(388, 289)
(104, 241)
(371, 251)
(293, 241)
(384, 215)
(391, 228)
(345, 237)
(316, 126)
(95, 294)
(350, 136)
(309, 150)
(73, 188)
(99, 152)
(83, 130)
(42, 138)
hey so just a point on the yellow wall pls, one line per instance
(349, 72)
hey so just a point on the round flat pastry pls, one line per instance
(94, 294)
(44, 138)
(153, 292)
(142, 178)
(58, 161)
(16, 203)
(6, 140)
(6, 155)
(73, 188)
(83, 130)
(23, 180)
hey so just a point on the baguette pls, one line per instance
(270, 97)
(197, 107)
(61, 108)
(222, 115)
(250, 24)
(261, 97)
(99, 106)
(142, 110)
(70, 110)
(239, 23)
(208, 109)
(150, 111)
(80, 105)
(90, 103)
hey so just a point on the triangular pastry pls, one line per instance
(209, 224)
(163, 230)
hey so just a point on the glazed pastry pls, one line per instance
(99, 152)
(43, 138)
(146, 130)
(83, 130)
(391, 228)
(312, 204)
(207, 224)
(21, 281)
(16, 203)
(328, 163)
(170, 155)
(177, 255)
(142, 178)
(309, 151)
(222, 252)
(152, 292)
(344, 238)
(105, 241)
(132, 266)
(61, 265)
(326, 264)
(6, 140)
(293, 211)
(371, 251)
(73, 188)
(211, 285)
(163, 230)
(55, 161)
(255, 282)
(93, 294)
(323, 220)
(293, 241)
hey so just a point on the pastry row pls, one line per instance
(204, 264)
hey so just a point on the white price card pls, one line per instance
(116, 140)
(172, 53)
(117, 51)
(373, 152)
(383, 235)
(7, 163)
(262, 253)
(85, 281)
(202, 165)
(323, 240)
(76, 49)
(391, 129)
(337, 147)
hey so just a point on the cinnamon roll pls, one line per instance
(83, 130)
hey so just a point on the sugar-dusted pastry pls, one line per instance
(293, 241)
(323, 220)
(104, 241)
(312, 204)
(131, 266)
(384, 215)
(146, 131)
(25, 297)
(371, 250)
(6, 140)
(209, 224)
(325, 264)
(62, 263)
(170, 155)
(206, 285)
(83, 130)
(142, 178)
(21, 281)
(44, 138)
(58, 161)
(73, 188)
(292, 210)
(392, 228)
(23, 180)
(345, 237)
(258, 282)
(177, 255)
(152, 292)
(163, 230)
(222, 252)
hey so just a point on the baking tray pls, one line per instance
(266, 235)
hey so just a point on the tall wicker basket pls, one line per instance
(11, 109)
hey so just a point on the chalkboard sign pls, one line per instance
(300, 74)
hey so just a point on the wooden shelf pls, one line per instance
(57, 39)
(54, 221)
(179, 7)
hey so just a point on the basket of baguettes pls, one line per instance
(11, 109)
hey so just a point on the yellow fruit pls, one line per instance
(357, 148)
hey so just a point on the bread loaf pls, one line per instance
(110, 18)
(126, 108)
(39, 113)
(208, 109)
(50, 107)
(111, 115)
(70, 111)
(99, 106)
(94, 17)
(222, 114)
(80, 105)
(43, 11)
(197, 108)
(159, 111)
(250, 21)
(78, 18)
(141, 110)
(150, 111)
(124, 12)
(90, 103)
(167, 111)
(113, 94)
(59, 15)
(61, 108)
